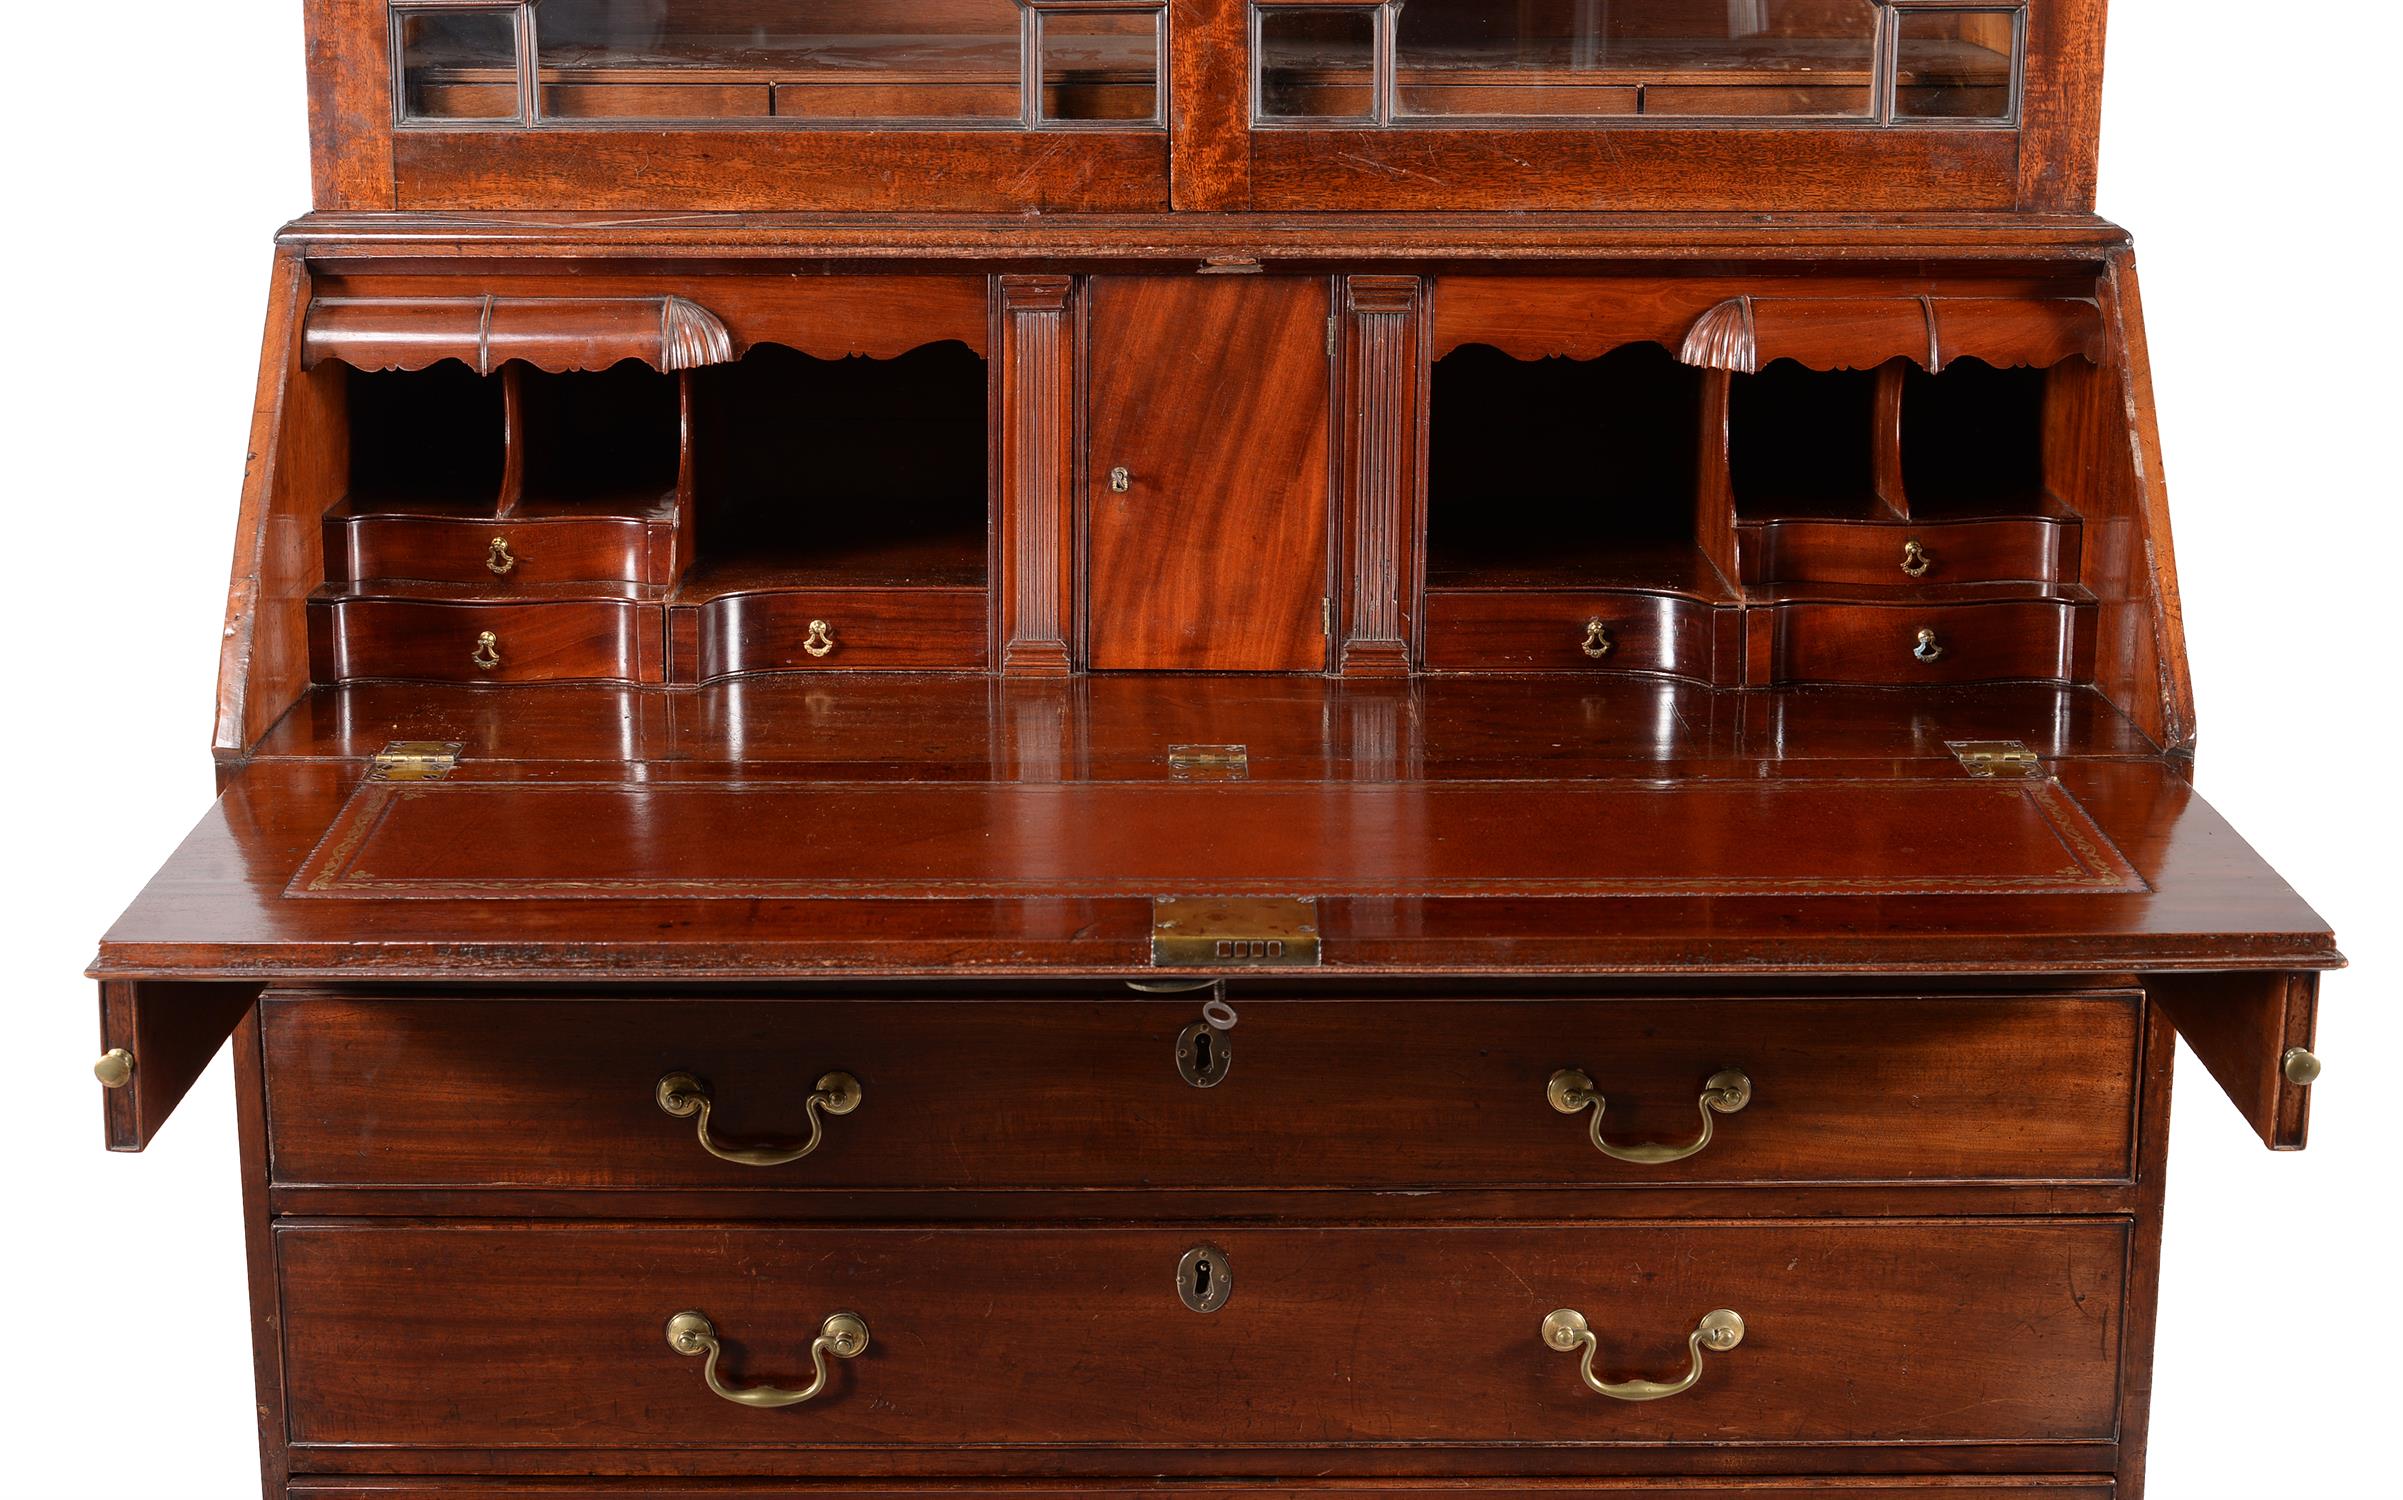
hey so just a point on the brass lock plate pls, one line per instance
(1217, 932)
(1210, 762)
(1205, 1279)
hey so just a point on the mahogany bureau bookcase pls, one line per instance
(1255, 748)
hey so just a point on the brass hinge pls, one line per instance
(1995, 757)
(415, 760)
(1210, 762)
(1210, 932)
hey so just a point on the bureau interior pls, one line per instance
(1560, 471)
(831, 472)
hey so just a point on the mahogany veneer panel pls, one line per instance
(1944, 1332)
(740, 841)
(1955, 1090)
(1213, 395)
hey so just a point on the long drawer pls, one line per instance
(493, 1336)
(1136, 1092)
(1978, 1487)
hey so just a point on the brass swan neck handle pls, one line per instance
(843, 1335)
(1723, 1093)
(1718, 1332)
(686, 1097)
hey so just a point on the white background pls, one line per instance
(150, 150)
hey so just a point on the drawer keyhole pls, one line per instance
(1204, 1279)
(1203, 1055)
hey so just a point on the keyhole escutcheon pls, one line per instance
(1205, 1279)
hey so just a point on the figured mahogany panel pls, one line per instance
(836, 171)
(1957, 1090)
(568, 1327)
(1800, 835)
(299, 457)
(350, 103)
(1652, 168)
(1212, 395)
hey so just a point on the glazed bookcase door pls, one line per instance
(1655, 104)
(970, 105)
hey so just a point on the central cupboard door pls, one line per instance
(1207, 474)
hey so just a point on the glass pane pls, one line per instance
(1317, 64)
(1101, 65)
(1623, 57)
(836, 60)
(458, 65)
(1954, 64)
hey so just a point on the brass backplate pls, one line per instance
(415, 760)
(1215, 932)
(1210, 762)
(1995, 757)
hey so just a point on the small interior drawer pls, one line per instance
(1518, 631)
(584, 640)
(1173, 1336)
(496, 556)
(831, 630)
(1129, 1093)
(1907, 554)
(1897, 645)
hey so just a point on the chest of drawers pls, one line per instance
(1234, 749)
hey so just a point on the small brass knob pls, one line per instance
(1929, 650)
(1916, 560)
(2301, 1067)
(487, 654)
(500, 559)
(115, 1068)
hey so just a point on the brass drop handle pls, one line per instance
(1598, 643)
(1567, 1331)
(821, 640)
(1723, 1093)
(686, 1097)
(487, 654)
(1929, 650)
(1121, 480)
(500, 559)
(1916, 560)
(843, 1335)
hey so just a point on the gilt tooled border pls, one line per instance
(333, 869)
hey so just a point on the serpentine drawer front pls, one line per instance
(1135, 1091)
(730, 1337)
